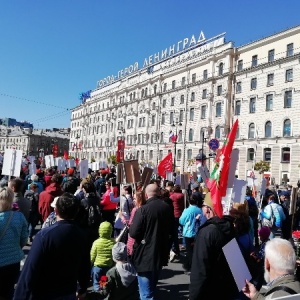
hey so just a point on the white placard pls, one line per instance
(234, 157)
(227, 201)
(84, 168)
(32, 168)
(71, 163)
(49, 161)
(263, 186)
(31, 159)
(56, 161)
(178, 179)
(95, 166)
(61, 164)
(236, 263)
(12, 162)
(252, 181)
(239, 190)
(169, 176)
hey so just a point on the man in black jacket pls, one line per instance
(210, 274)
(58, 259)
(151, 229)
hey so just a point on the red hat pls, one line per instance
(70, 171)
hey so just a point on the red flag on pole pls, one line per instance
(165, 165)
(66, 155)
(219, 176)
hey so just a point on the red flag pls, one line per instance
(165, 165)
(66, 155)
(77, 161)
(219, 176)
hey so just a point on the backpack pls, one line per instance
(94, 215)
(33, 201)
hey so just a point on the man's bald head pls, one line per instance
(152, 190)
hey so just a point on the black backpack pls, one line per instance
(33, 201)
(94, 215)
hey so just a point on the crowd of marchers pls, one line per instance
(91, 238)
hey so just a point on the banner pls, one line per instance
(55, 150)
(165, 165)
(120, 150)
(217, 183)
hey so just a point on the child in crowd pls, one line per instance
(120, 282)
(101, 255)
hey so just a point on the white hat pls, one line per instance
(53, 203)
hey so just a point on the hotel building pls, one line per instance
(196, 89)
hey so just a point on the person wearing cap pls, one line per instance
(210, 276)
(35, 179)
(58, 263)
(120, 282)
(52, 217)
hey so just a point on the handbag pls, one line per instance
(269, 223)
(6, 226)
(123, 236)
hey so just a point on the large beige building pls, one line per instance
(196, 88)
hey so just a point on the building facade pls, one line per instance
(34, 142)
(195, 89)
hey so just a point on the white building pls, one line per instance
(200, 86)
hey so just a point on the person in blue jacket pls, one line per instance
(190, 220)
(273, 209)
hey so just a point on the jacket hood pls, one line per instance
(105, 230)
(53, 188)
(224, 224)
(126, 272)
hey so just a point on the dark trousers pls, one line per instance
(189, 253)
(8, 278)
(175, 247)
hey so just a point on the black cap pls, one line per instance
(200, 156)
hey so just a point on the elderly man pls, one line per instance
(280, 263)
(151, 229)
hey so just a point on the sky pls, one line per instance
(51, 51)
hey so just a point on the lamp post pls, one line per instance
(175, 125)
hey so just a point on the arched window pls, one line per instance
(251, 132)
(221, 69)
(202, 134)
(161, 137)
(287, 127)
(218, 132)
(143, 93)
(179, 136)
(191, 134)
(250, 154)
(153, 106)
(268, 129)
(155, 89)
(189, 154)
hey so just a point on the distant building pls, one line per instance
(33, 142)
(13, 122)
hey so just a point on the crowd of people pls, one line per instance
(100, 240)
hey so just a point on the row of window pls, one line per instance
(271, 57)
(287, 103)
(267, 154)
(270, 81)
(286, 130)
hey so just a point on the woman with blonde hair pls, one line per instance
(13, 237)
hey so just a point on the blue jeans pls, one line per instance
(97, 273)
(147, 284)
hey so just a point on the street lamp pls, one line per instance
(175, 124)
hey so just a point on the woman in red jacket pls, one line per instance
(108, 207)
(178, 202)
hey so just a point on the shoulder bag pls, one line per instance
(6, 226)
(269, 223)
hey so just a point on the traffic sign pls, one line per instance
(214, 144)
